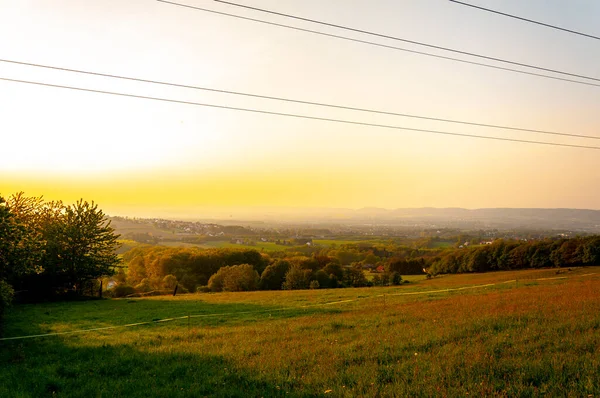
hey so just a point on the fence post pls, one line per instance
(175, 291)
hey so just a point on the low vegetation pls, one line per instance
(531, 333)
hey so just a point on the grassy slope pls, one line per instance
(523, 338)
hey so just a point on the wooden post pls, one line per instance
(175, 291)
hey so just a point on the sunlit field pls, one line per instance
(513, 333)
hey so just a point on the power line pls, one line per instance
(399, 39)
(527, 20)
(298, 116)
(380, 44)
(335, 106)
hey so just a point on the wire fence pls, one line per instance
(225, 314)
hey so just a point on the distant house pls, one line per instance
(303, 241)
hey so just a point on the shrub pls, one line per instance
(395, 278)
(314, 284)
(143, 286)
(121, 291)
(203, 289)
(169, 282)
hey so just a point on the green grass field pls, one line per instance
(515, 333)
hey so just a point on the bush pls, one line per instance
(203, 289)
(169, 282)
(314, 284)
(395, 278)
(121, 291)
(144, 286)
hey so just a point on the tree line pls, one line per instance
(150, 268)
(51, 248)
(507, 255)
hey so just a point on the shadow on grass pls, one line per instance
(54, 369)
(33, 319)
(99, 364)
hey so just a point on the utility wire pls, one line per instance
(380, 44)
(399, 39)
(527, 20)
(298, 116)
(299, 101)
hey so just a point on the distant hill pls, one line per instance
(579, 219)
(425, 217)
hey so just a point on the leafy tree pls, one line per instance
(241, 278)
(273, 276)
(335, 269)
(296, 278)
(323, 279)
(591, 251)
(234, 278)
(20, 249)
(19, 253)
(354, 277)
(87, 243)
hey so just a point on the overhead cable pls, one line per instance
(385, 36)
(299, 116)
(304, 102)
(381, 44)
(526, 20)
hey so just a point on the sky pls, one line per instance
(140, 157)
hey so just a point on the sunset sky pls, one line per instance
(148, 158)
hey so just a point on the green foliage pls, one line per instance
(296, 278)
(20, 244)
(505, 255)
(395, 278)
(58, 248)
(169, 282)
(121, 291)
(406, 266)
(235, 278)
(336, 269)
(144, 286)
(191, 266)
(323, 279)
(273, 276)
(354, 277)
(314, 285)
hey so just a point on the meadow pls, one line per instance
(511, 333)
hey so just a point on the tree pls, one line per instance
(274, 275)
(354, 277)
(234, 278)
(20, 249)
(335, 269)
(323, 279)
(87, 244)
(19, 253)
(295, 278)
(241, 278)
